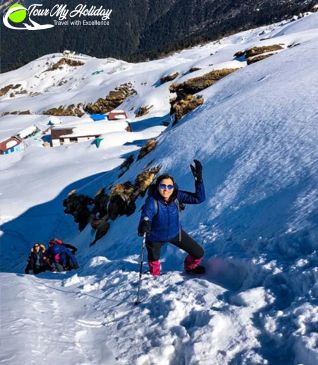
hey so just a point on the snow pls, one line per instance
(120, 138)
(91, 129)
(54, 120)
(27, 131)
(299, 26)
(29, 326)
(256, 136)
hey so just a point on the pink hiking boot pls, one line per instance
(154, 267)
(192, 265)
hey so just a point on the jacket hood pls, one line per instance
(42, 248)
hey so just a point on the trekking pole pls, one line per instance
(141, 268)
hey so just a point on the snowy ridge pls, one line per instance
(256, 135)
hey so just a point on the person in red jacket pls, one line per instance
(62, 255)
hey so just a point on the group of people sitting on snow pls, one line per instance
(59, 256)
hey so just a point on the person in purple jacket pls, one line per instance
(160, 220)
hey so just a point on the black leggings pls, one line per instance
(186, 243)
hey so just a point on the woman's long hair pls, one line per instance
(166, 176)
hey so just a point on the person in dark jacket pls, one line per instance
(160, 220)
(62, 255)
(38, 260)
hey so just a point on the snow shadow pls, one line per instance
(226, 273)
(43, 222)
(139, 143)
(150, 122)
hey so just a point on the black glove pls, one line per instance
(144, 227)
(196, 169)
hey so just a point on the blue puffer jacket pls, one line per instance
(165, 223)
(67, 258)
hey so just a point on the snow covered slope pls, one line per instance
(256, 136)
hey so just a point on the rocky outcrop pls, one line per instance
(199, 83)
(145, 179)
(65, 61)
(251, 60)
(185, 100)
(126, 165)
(148, 147)
(6, 89)
(98, 211)
(168, 78)
(255, 54)
(112, 100)
(185, 105)
(70, 110)
(255, 51)
(193, 69)
(143, 110)
(23, 112)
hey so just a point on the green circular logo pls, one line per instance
(19, 15)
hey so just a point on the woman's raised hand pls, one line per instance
(196, 169)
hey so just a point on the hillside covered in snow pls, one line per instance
(255, 130)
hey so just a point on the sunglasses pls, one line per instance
(164, 186)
